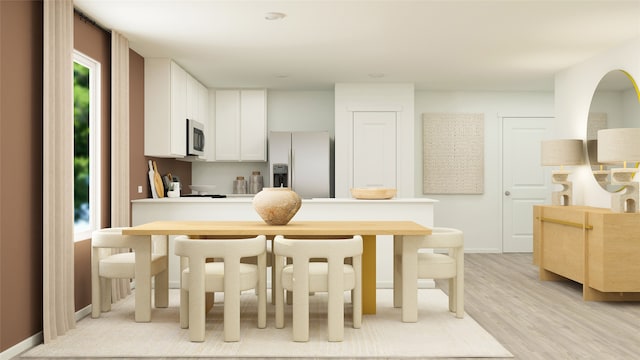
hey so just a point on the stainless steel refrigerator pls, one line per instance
(300, 161)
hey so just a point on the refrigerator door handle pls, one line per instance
(291, 169)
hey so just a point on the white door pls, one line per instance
(374, 149)
(524, 181)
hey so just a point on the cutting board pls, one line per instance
(157, 180)
(152, 184)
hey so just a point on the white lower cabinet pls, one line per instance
(241, 125)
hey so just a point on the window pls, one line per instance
(86, 162)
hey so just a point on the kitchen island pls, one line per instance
(419, 210)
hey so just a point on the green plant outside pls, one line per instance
(81, 143)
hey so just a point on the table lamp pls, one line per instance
(560, 153)
(619, 146)
(601, 174)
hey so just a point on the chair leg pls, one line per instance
(232, 299)
(301, 301)
(105, 294)
(409, 280)
(397, 271)
(184, 309)
(459, 296)
(276, 286)
(262, 291)
(196, 301)
(356, 294)
(335, 312)
(161, 291)
(452, 294)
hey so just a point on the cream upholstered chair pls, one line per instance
(107, 265)
(332, 276)
(229, 275)
(431, 265)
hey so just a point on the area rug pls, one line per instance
(437, 334)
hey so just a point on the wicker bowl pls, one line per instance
(373, 193)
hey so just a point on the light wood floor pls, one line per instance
(536, 319)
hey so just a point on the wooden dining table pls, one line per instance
(220, 229)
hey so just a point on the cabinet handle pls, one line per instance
(567, 223)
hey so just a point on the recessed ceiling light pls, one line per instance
(274, 16)
(281, 76)
(376, 75)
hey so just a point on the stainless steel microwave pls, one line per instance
(195, 137)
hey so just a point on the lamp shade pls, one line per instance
(562, 152)
(619, 145)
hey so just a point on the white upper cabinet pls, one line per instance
(171, 97)
(241, 125)
(165, 108)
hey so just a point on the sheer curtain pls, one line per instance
(58, 293)
(119, 144)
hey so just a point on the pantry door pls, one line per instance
(525, 182)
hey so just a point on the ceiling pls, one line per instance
(445, 45)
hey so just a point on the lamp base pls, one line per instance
(562, 197)
(626, 201)
(602, 177)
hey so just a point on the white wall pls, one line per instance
(286, 111)
(574, 89)
(479, 216)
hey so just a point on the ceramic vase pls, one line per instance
(276, 206)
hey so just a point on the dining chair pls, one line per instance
(333, 276)
(108, 264)
(229, 275)
(431, 265)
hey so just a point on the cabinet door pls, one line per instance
(192, 98)
(227, 125)
(253, 125)
(203, 117)
(178, 135)
(374, 149)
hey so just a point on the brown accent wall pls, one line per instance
(95, 43)
(21, 162)
(20, 171)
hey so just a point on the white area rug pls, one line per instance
(438, 333)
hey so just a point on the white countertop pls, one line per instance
(249, 198)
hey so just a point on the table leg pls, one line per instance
(369, 274)
(143, 281)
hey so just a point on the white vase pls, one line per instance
(276, 206)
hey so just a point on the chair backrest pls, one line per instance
(220, 248)
(112, 238)
(318, 248)
(440, 238)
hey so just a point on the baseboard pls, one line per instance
(22, 346)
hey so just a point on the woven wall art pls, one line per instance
(453, 153)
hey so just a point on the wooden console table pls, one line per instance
(593, 246)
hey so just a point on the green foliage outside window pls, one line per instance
(81, 143)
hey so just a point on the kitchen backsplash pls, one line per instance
(223, 174)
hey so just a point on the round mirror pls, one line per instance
(615, 104)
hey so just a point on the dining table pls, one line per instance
(304, 229)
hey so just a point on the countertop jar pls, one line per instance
(240, 185)
(256, 182)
